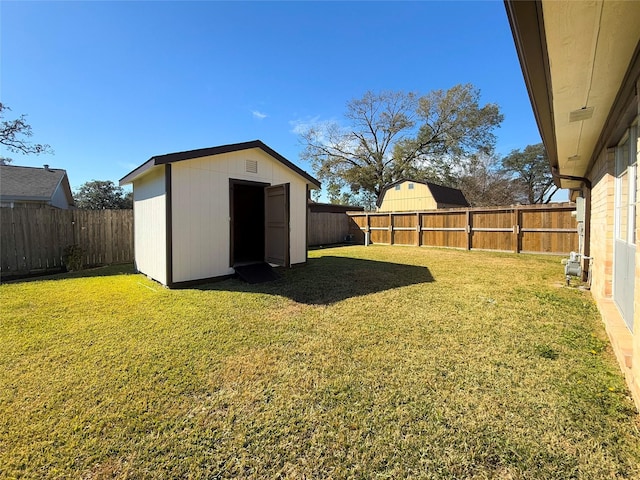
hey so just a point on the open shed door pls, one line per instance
(276, 225)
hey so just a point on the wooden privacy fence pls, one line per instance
(521, 229)
(326, 228)
(33, 240)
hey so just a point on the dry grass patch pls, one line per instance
(370, 362)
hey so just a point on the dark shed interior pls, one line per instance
(247, 217)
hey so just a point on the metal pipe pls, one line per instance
(586, 268)
(586, 181)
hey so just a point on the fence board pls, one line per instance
(529, 228)
(33, 239)
(22, 245)
(326, 228)
(492, 241)
(404, 229)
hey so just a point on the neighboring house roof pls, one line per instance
(580, 62)
(441, 194)
(205, 152)
(31, 184)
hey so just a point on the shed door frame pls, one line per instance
(232, 214)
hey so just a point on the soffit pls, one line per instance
(590, 45)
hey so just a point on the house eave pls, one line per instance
(527, 27)
(24, 198)
(579, 91)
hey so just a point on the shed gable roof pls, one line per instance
(441, 194)
(31, 183)
(205, 152)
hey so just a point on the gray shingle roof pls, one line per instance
(29, 182)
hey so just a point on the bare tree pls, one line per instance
(485, 183)
(15, 135)
(392, 135)
(361, 156)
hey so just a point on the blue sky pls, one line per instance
(110, 84)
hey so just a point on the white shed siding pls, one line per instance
(200, 201)
(149, 203)
(200, 206)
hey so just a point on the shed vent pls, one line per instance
(251, 166)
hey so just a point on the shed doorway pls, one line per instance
(246, 204)
(259, 223)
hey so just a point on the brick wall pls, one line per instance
(601, 241)
(625, 344)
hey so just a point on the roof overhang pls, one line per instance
(580, 63)
(205, 152)
(25, 198)
(138, 171)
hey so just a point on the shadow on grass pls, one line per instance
(107, 271)
(326, 280)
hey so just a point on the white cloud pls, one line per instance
(302, 125)
(259, 115)
(323, 131)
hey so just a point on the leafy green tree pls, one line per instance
(392, 135)
(530, 168)
(102, 195)
(15, 134)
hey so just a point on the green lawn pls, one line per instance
(369, 362)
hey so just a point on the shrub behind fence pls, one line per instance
(33, 240)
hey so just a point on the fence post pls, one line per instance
(469, 229)
(391, 229)
(418, 228)
(516, 230)
(367, 230)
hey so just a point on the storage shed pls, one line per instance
(198, 214)
(413, 195)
